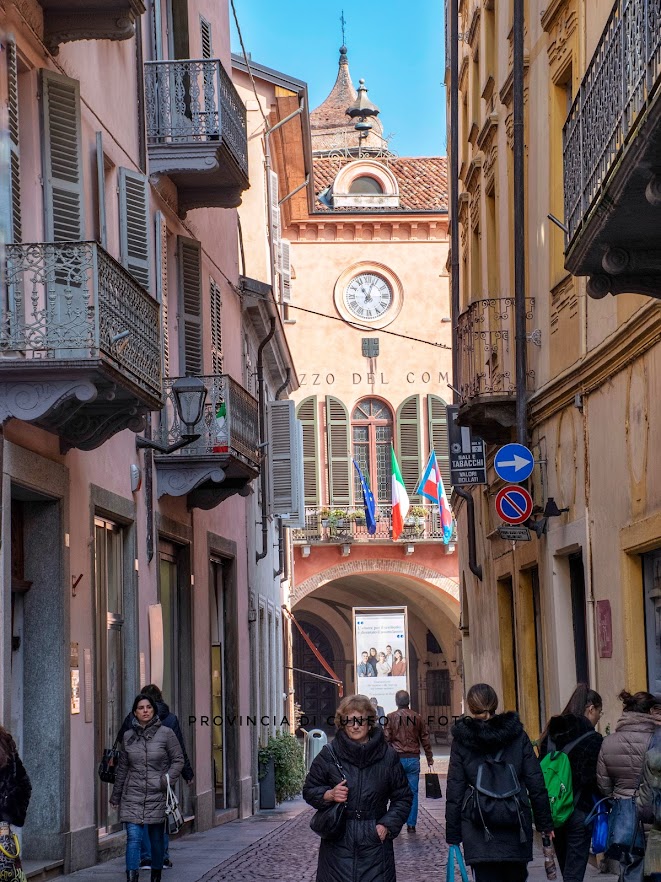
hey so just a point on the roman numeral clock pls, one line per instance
(368, 293)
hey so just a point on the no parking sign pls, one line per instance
(514, 504)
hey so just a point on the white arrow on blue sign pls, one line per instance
(514, 463)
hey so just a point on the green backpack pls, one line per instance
(558, 779)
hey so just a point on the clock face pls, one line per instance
(368, 296)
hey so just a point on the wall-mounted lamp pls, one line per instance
(346, 549)
(305, 551)
(409, 549)
(190, 395)
(449, 548)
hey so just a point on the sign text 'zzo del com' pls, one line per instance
(328, 379)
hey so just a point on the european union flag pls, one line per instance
(368, 502)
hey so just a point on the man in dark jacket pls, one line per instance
(170, 720)
(572, 840)
(406, 731)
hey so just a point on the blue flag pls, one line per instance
(368, 502)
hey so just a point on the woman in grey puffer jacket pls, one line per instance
(621, 760)
(149, 752)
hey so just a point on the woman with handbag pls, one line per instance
(150, 760)
(362, 797)
(15, 792)
(620, 764)
(649, 802)
(496, 832)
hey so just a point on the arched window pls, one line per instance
(366, 186)
(371, 432)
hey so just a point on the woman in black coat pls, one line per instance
(496, 853)
(15, 787)
(377, 796)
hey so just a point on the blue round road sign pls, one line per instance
(514, 463)
(514, 504)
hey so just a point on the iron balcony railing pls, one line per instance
(621, 78)
(194, 100)
(347, 524)
(229, 425)
(72, 301)
(487, 352)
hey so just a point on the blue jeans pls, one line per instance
(411, 768)
(145, 848)
(134, 833)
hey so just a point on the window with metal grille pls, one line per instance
(372, 427)
(438, 688)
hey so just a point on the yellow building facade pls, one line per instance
(578, 602)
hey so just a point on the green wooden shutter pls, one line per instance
(190, 311)
(216, 328)
(62, 158)
(307, 413)
(339, 444)
(134, 225)
(13, 221)
(438, 436)
(408, 442)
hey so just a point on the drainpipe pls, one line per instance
(590, 599)
(281, 526)
(454, 186)
(262, 437)
(473, 565)
(519, 228)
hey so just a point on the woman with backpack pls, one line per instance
(649, 801)
(491, 752)
(572, 733)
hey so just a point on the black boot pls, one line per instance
(132, 875)
(156, 875)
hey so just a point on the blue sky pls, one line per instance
(399, 55)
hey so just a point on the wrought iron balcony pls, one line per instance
(196, 132)
(612, 154)
(347, 524)
(225, 458)
(68, 20)
(80, 343)
(487, 367)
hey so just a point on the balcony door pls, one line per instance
(218, 685)
(371, 429)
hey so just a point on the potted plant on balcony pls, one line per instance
(338, 518)
(358, 517)
(324, 516)
(418, 513)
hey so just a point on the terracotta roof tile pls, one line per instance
(423, 181)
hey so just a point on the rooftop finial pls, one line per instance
(343, 22)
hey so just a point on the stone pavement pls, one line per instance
(278, 846)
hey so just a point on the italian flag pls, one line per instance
(400, 498)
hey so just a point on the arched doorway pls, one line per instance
(317, 698)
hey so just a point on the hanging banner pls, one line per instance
(381, 653)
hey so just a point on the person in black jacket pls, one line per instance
(170, 720)
(500, 852)
(582, 713)
(377, 796)
(15, 787)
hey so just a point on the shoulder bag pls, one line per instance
(626, 834)
(109, 763)
(173, 815)
(11, 869)
(455, 857)
(330, 821)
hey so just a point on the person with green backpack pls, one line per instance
(569, 750)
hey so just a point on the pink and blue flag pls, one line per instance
(431, 487)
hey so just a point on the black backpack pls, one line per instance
(494, 802)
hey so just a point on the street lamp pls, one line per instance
(190, 395)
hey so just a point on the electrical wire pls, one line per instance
(245, 58)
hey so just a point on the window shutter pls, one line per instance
(101, 190)
(62, 158)
(13, 222)
(162, 285)
(285, 251)
(339, 444)
(307, 414)
(408, 442)
(438, 437)
(285, 441)
(216, 328)
(134, 225)
(274, 208)
(205, 30)
(190, 311)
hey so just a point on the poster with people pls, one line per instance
(380, 651)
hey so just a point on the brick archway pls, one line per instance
(444, 588)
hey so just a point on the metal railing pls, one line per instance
(486, 345)
(194, 100)
(347, 524)
(73, 301)
(621, 77)
(229, 424)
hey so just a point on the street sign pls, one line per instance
(514, 463)
(514, 504)
(515, 533)
(468, 463)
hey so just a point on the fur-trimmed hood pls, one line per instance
(487, 736)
